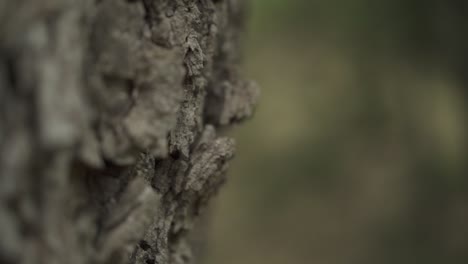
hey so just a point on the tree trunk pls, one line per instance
(108, 125)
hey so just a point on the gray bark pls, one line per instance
(109, 123)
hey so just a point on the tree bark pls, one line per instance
(109, 123)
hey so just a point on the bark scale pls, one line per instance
(109, 123)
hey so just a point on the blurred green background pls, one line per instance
(357, 152)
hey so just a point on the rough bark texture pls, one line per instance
(108, 125)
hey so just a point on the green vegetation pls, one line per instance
(357, 153)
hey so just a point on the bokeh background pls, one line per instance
(358, 150)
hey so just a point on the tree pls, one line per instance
(110, 111)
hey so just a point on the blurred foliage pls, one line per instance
(357, 153)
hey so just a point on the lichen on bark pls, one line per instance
(108, 125)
